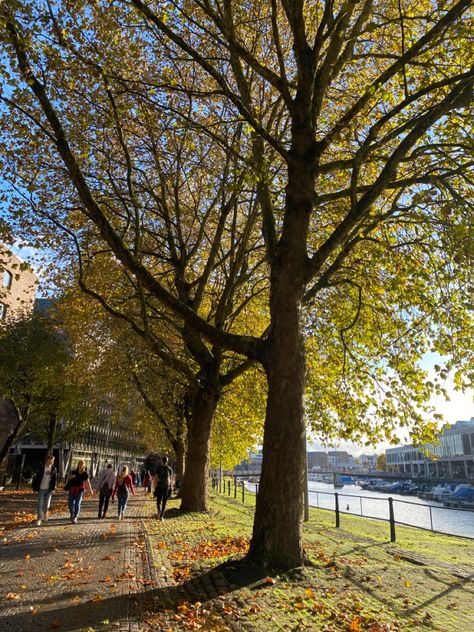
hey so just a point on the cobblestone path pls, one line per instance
(94, 575)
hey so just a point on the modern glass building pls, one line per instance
(452, 458)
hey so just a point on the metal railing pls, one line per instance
(337, 506)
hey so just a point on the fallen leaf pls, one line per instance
(355, 625)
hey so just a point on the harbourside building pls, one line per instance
(452, 458)
(340, 460)
(318, 460)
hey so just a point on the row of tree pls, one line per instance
(281, 187)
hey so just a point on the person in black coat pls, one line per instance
(44, 482)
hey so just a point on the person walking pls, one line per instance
(105, 486)
(147, 481)
(164, 475)
(76, 485)
(123, 485)
(44, 482)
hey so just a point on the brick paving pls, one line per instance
(96, 574)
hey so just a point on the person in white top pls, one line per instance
(44, 483)
(105, 486)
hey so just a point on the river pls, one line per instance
(407, 509)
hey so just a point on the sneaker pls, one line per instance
(74, 520)
(38, 522)
(46, 518)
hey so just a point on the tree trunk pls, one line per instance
(14, 434)
(276, 539)
(194, 494)
(53, 423)
(179, 448)
(277, 535)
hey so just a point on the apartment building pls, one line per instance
(452, 457)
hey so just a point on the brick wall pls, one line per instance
(17, 286)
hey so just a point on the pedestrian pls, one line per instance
(76, 485)
(164, 476)
(123, 485)
(147, 481)
(44, 482)
(105, 486)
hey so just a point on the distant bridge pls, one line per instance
(387, 475)
(391, 476)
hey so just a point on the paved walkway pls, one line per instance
(95, 575)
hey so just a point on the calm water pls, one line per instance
(407, 509)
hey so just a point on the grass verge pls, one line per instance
(357, 579)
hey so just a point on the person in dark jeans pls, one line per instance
(105, 486)
(44, 483)
(164, 476)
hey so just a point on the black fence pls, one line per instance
(393, 511)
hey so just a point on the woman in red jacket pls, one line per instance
(123, 485)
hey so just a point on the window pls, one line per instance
(3, 311)
(7, 279)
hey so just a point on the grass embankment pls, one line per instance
(357, 579)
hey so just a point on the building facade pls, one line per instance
(17, 286)
(340, 460)
(318, 460)
(452, 458)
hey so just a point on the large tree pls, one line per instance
(355, 116)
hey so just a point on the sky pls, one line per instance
(459, 408)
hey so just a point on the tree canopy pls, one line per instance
(320, 150)
(37, 380)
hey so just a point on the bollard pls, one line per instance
(338, 520)
(228, 488)
(243, 492)
(392, 520)
(235, 487)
